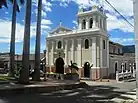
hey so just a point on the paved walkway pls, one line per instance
(97, 92)
(40, 87)
(115, 92)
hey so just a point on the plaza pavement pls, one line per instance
(114, 91)
(96, 92)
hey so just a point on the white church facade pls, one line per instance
(89, 43)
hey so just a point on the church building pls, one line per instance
(87, 45)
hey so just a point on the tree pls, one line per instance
(36, 76)
(24, 74)
(3, 2)
(13, 30)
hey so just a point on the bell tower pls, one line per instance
(94, 18)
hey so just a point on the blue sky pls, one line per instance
(55, 11)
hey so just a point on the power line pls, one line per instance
(119, 13)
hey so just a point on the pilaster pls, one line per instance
(98, 24)
(66, 52)
(94, 51)
(87, 23)
(47, 54)
(107, 46)
(101, 52)
(52, 51)
(79, 53)
(94, 21)
(80, 24)
(72, 50)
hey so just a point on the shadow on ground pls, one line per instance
(92, 94)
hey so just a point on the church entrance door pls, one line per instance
(87, 69)
(60, 65)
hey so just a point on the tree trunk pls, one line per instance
(12, 42)
(24, 74)
(36, 76)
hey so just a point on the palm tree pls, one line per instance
(3, 2)
(24, 74)
(13, 29)
(36, 76)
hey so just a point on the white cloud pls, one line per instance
(124, 41)
(46, 22)
(115, 23)
(44, 14)
(6, 12)
(125, 7)
(75, 22)
(46, 7)
(63, 4)
(5, 31)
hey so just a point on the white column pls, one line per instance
(94, 51)
(134, 70)
(102, 26)
(47, 54)
(79, 53)
(101, 52)
(130, 69)
(80, 24)
(107, 46)
(52, 50)
(72, 51)
(87, 23)
(94, 21)
(98, 25)
(122, 67)
(66, 52)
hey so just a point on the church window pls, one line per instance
(86, 44)
(59, 45)
(104, 44)
(91, 23)
(83, 24)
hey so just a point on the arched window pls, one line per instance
(83, 24)
(86, 44)
(59, 45)
(91, 23)
(104, 45)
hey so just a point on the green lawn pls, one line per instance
(6, 78)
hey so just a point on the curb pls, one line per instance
(41, 89)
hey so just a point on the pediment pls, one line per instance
(60, 29)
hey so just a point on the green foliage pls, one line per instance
(6, 78)
(17, 72)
